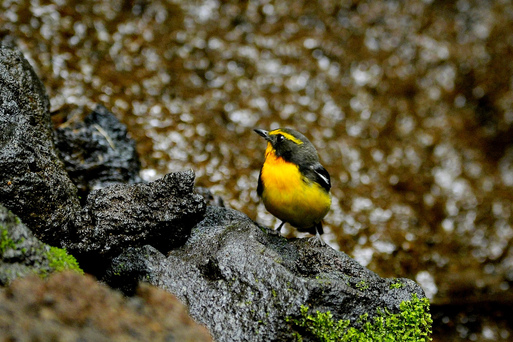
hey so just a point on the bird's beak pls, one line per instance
(263, 133)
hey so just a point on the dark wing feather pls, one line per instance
(321, 176)
(260, 187)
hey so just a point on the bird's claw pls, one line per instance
(317, 241)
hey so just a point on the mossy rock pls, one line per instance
(411, 324)
(22, 254)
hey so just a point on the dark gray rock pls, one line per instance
(160, 213)
(97, 151)
(33, 182)
(35, 185)
(242, 281)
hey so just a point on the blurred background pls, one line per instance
(409, 104)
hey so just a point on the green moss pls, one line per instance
(413, 323)
(41, 260)
(321, 326)
(397, 285)
(60, 260)
(362, 286)
(5, 241)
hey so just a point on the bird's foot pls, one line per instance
(317, 241)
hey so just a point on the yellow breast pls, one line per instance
(291, 197)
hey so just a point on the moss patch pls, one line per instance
(5, 241)
(22, 254)
(60, 260)
(397, 285)
(413, 323)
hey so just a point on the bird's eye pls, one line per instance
(280, 138)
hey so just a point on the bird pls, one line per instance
(292, 183)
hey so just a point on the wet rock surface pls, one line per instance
(72, 307)
(33, 182)
(242, 281)
(35, 185)
(96, 150)
(161, 212)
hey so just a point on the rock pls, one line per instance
(35, 185)
(159, 213)
(97, 151)
(21, 254)
(242, 281)
(70, 307)
(33, 182)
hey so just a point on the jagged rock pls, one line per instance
(242, 281)
(70, 307)
(161, 213)
(97, 151)
(21, 254)
(33, 182)
(35, 185)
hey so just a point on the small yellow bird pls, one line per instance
(293, 184)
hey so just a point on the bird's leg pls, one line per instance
(277, 231)
(317, 239)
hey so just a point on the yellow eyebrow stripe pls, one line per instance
(286, 135)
